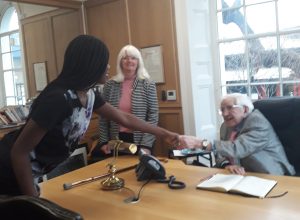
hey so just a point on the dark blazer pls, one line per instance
(144, 105)
(257, 147)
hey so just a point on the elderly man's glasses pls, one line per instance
(229, 108)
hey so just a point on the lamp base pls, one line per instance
(112, 183)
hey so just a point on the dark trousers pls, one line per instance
(8, 182)
(98, 155)
(126, 137)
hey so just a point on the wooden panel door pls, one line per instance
(108, 21)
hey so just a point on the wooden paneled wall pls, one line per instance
(45, 38)
(143, 23)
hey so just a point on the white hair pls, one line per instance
(132, 51)
(240, 99)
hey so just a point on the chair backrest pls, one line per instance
(78, 159)
(33, 208)
(284, 115)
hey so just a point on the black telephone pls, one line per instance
(149, 168)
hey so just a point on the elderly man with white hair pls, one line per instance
(247, 142)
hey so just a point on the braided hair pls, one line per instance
(85, 62)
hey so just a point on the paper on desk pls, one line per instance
(203, 159)
(188, 152)
(178, 153)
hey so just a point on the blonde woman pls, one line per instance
(131, 91)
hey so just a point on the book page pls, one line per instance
(254, 186)
(220, 182)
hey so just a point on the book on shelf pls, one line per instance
(10, 115)
(4, 119)
(15, 113)
(22, 111)
(232, 183)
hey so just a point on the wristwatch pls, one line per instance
(205, 144)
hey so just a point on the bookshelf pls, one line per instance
(12, 117)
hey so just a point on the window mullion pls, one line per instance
(278, 50)
(270, 55)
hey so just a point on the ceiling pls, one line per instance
(75, 4)
(53, 3)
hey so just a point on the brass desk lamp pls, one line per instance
(113, 182)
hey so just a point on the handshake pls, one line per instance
(186, 141)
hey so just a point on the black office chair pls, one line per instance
(77, 160)
(284, 115)
(33, 208)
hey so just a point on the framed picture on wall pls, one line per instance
(40, 75)
(153, 60)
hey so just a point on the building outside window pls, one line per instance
(259, 47)
(12, 77)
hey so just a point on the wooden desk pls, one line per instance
(160, 202)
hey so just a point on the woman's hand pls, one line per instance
(186, 141)
(171, 138)
(235, 169)
(145, 150)
(106, 149)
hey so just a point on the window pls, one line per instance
(12, 83)
(259, 47)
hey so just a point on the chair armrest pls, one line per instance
(32, 207)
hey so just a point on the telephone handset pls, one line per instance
(149, 168)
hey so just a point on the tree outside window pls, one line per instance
(259, 47)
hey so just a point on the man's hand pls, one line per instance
(235, 169)
(186, 141)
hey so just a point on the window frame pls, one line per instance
(20, 69)
(277, 34)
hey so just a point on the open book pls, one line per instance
(247, 185)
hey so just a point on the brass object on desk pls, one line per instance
(113, 182)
